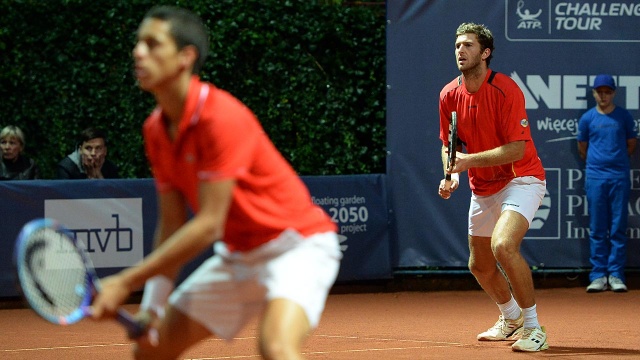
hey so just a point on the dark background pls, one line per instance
(312, 71)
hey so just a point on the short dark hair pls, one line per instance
(90, 134)
(186, 28)
(485, 37)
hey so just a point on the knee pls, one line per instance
(482, 269)
(503, 250)
(272, 348)
(474, 268)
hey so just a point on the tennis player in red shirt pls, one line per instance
(507, 182)
(276, 253)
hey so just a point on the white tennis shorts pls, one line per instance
(230, 288)
(522, 195)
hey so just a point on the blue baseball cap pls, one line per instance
(604, 80)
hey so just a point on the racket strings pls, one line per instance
(57, 274)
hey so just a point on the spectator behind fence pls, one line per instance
(15, 165)
(89, 160)
(606, 139)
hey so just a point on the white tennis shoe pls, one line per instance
(504, 329)
(533, 339)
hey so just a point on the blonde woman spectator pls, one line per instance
(15, 165)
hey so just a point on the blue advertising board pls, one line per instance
(115, 219)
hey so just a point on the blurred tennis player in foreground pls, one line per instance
(507, 182)
(276, 253)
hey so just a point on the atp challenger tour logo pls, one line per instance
(110, 230)
(553, 20)
(527, 19)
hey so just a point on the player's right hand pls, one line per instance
(112, 294)
(447, 187)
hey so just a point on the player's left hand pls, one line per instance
(447, 187)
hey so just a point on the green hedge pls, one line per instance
(314, 74)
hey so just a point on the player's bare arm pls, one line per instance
(183, 245)
(192, 238)
(443, 157)
(504, 154)
(172, 214)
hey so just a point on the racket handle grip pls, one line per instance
(134, 328)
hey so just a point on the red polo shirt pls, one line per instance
(491, 117)
(220, 138)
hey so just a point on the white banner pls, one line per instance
(110, 229)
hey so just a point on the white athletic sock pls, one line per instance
(531, 318)
(510, 309)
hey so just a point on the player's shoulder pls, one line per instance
(452, 86)
(224, 114)
(225, 99)
(221, 103)
(503, 83)
(501, 80)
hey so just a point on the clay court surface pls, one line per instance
(389, 325)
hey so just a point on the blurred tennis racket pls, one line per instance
(57, 278)
(453, 145)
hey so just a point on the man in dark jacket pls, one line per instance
(89, 160)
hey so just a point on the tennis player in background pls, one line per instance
(276, 253)
(507, 181)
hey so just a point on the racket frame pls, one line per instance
(91, 281)
(453, 143)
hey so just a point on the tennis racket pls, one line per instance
(453, 143)
(57, 278)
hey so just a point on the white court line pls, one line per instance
(90, 346)
(433, 344)
(64, 347)
(325, 352)
(398, 340)
(227, 357)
